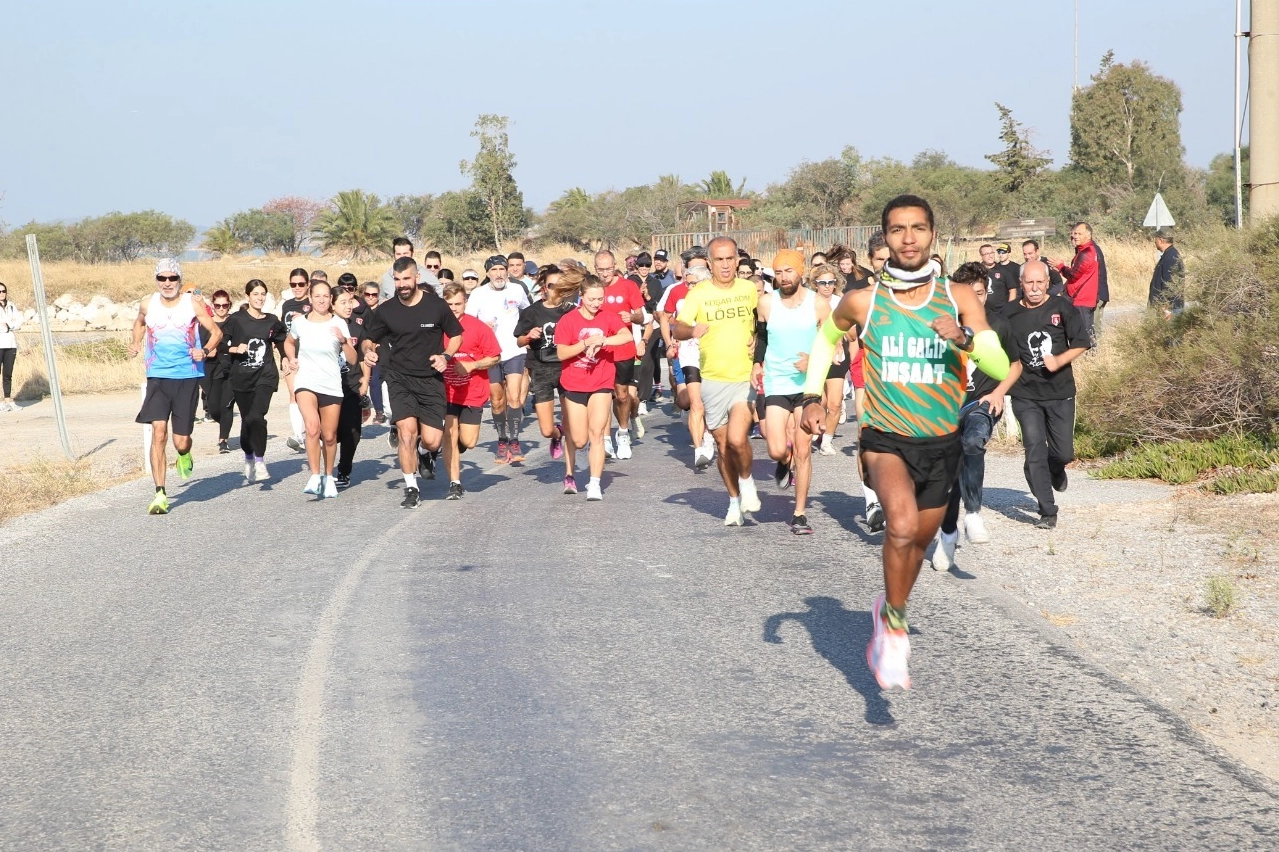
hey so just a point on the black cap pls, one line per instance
(660, 254)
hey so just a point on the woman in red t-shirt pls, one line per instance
(585, 340)
(466, 385)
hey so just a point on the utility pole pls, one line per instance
(1238, 128)
(1076, 46)
(1263, 110)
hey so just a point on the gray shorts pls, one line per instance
(509, 367)
(718, 398)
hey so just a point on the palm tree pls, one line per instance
(720, 185)
(221, 240)
(358, 224)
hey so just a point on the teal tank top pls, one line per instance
(790, 334)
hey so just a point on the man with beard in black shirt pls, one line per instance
(414, 323)
(1050, 333)
(983, 406)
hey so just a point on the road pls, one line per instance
(524, 670)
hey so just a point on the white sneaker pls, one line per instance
(248, 469)
(643, 412)
(708, 446)
(944, 553)
(593, 491)
(888, 653)
(975, 528)
(330, 487)
(294, 444)
(314, 484)
(701, 461)
(260, 473)
(609, 452)
(750, 498)
(734, 517)
(638, 421)
(843, 413)
(828, 446)
(623, 445)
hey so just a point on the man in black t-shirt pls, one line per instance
(983, 407)
(1050, 334)
(1001, 286)
(414, 323)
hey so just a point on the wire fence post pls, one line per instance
(46, 334)
(146, 437)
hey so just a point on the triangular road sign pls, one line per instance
(1158, 216)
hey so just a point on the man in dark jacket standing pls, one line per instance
(1167, 284)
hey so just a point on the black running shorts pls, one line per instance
(469, 415)
(933, 463)
(418, 397)
(543, 379)
(171, 400)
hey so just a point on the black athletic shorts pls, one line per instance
(172, 400)
(324, 399)
(582, 397)
(790, 402)
(467, 414)
(692, 375)
(933, 463)
(625, 372)
(840, 370)
(417, 397)
(543, 379)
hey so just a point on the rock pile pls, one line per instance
(67, 313)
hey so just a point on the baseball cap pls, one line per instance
(470, 273)
(661, 254)
(495, 260)
(168, 266)
(643, 259)
(530, 268)
(1004, 247)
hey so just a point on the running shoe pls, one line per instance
(827, 447)
(750, 498)
(426, 463)
(295, 445)
(623, 445)
(410, 500)
(1047, 522)
(223, 448)
(516, 454)
(159, 504)
(643, 411)
(330, 487)
(875, 517)
(639, 424)
(799, 525)
(734, 518)
(557, 445)
(455, 491)
(248, 470)
(609, 452)
(185, 465)
(708, 445)
(503, 454)
(593, 491)
(570, 485)
(260, 473)
(314, 485)
(393, 438)
(944, 553)
(975, 528)
(755, 433)
(342, 480)
(783, 476)
(701, 460)
(889, 651)
(843, 414)
(1060, 481)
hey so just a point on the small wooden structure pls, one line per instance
(1025, 229)
(721, 213)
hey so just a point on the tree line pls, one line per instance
(1125, 145)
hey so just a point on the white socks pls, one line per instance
(870, 495)
(410, 480)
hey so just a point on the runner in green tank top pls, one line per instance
(917, 335)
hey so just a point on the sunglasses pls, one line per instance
(825, 283)
(168, 278)
(223, 305)
(431, 265)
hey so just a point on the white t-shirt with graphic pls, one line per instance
(500, 311)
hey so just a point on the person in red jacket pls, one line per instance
(1083, 276)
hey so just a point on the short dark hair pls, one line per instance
(255, 283)
(969, 273)
(433, 255)
(445, 274)
(402, 264)
(401, 241)
(1164, 234)
(984, 246)
(902, 202)
(347, 279)
(876, 242)
(1034, 243)
(644, 259)
(515, 255)
(299, 271)
(689, 254)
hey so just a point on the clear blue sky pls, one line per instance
(201, 110)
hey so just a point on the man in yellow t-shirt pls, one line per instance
(720, 314)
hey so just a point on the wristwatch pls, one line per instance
(968, 339)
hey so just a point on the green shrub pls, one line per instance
(1219, 595)
(1240, 460)
(110, 350)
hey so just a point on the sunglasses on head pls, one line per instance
(168, 278)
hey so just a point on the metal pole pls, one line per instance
(1263, 111)
(46, 334)
(1076, 88)
(1238, 129)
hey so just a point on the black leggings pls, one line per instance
(7, 357)
(253, 407)
(349, 424)
(217, 402)
(650, 364)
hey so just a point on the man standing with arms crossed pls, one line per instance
(414, 324)
(720, 315)
(916, 373)
(166, 328)
(788, 316)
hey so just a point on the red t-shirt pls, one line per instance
(623, 295)
(478, 342)
(590, 374)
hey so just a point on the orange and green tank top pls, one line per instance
(915, 380)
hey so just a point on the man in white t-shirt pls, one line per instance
(498, 304)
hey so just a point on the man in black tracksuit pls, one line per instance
(1050, 333)
(1168, 282)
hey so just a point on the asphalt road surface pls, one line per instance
(524, 670)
